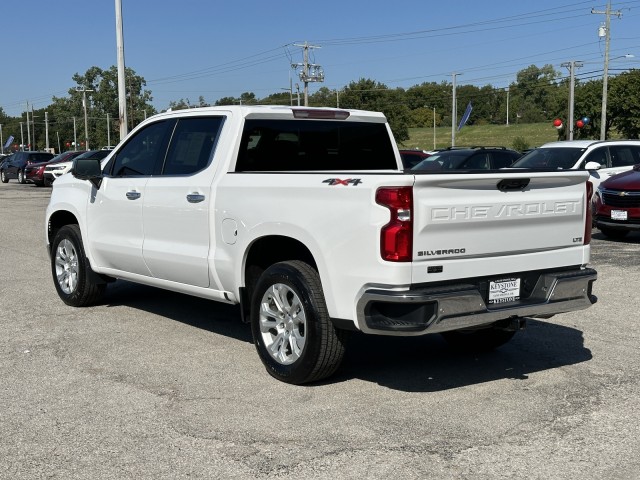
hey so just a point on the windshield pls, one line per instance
(555, 158)
(444, 160)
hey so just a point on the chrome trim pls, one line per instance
(462, 306)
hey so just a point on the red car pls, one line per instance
(617, 204)
(34, 173)
(410, 158)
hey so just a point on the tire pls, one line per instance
(3, 176)
(613, 233)
(291, 328)
(70, 269)
(477, 341)
(21, 177)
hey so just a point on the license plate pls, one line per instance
(504, 290)
(618, 214)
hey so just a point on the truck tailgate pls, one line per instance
(497, 222)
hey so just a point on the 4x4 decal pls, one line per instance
(346, 182)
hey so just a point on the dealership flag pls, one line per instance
(465, 117)
(9, 140)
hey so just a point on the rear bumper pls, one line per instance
(453, 307)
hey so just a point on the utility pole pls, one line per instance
(605, 74)
(75, 137)
(84, 105)
(572, 75)
(454, 111)
(310, 71)
(434, 128)
(108, 132)
(507, 106)
(46, 129)
(33, 131)
(28, 127)
(21, 138)
(122, 89)
(1, 141)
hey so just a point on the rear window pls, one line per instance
(294, 145)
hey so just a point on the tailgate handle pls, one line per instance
(512, 184)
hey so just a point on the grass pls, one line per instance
(533, 135)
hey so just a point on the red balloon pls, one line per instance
(557, 123)
(579, 124)
(68, 144)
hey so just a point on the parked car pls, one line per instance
(4, 159)
(469, 158)
(602, 158)
(410, 158)
(34, 173)
(15, 166)
(616, 206)
(51, 172)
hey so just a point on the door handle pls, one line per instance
(133, 195)
(195, 198)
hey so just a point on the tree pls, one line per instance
(367, 94)
(624, 103)
(324, 97)
(101, 88)
(227, 101)
(588, 103)
(536, 94)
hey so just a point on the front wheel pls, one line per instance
(21, 176)
(3, 176)
(70, 269)
(476, 341)
(291, 328)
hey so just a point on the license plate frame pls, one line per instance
(619, 215)
(504, 290)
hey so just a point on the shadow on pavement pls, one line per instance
(413, 364)
(216, 317)
(428, 364)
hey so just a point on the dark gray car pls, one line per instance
(15, 165)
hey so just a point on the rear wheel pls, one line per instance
(21, 176)
(3, 176)
(613, 232)
(70, 269)
(481, 340)
(292, 331)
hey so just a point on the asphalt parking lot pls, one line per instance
(152, 384)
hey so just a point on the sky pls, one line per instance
(220, 48)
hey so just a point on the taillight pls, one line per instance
(396, 237)
(588, 215)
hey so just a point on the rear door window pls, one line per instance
(624, 155)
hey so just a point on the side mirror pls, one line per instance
(88, 169)
(593, 166)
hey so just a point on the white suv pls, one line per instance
(51, 172)
(602, 158)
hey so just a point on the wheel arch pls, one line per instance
(57, 220)
(264, 252)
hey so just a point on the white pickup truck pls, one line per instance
(306, 219)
